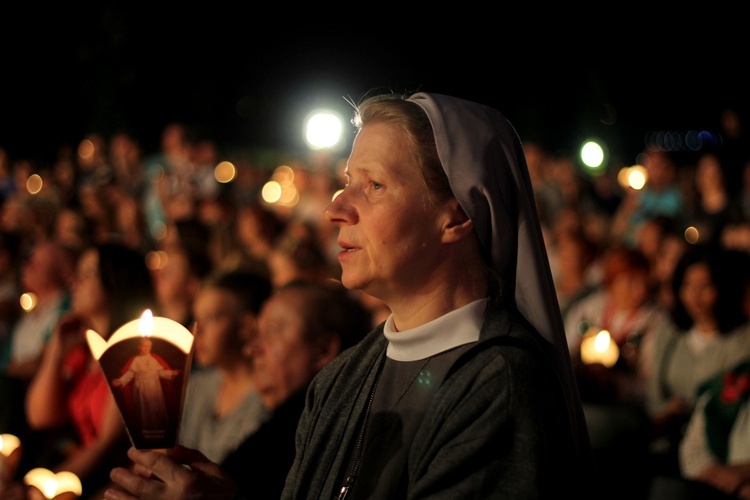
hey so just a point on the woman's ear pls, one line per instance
(457, 225)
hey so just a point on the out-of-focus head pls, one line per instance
(226, 314)
(181, 276)
(292, 258)
(661, 168)
(302, 327)
(48, 269)
(256, 228)
(626, 274)
(710, 282)
(114, 279)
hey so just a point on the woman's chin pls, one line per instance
(351, 281)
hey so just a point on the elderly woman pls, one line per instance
(466, 390)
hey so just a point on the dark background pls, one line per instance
(246, 78)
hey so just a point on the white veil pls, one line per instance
(483, 158)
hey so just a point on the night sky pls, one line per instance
(247, 80)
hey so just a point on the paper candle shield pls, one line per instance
(147, 363)
(10, 457)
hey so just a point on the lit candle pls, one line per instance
(597, 346)
(8, 444)
(146, 326)
(10, 456)
(51, 484)
(147, 362)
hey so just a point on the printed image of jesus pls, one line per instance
(146, 371)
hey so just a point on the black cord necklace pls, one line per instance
(352, 476)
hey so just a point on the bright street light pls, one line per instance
(323, 130)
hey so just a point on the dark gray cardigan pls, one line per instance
(498, 426)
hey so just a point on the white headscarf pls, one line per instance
(483, 158)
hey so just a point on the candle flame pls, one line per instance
(597, 346)
(49, 488)
(146, 324)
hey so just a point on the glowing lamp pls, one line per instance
(597, 346)
(51, 485)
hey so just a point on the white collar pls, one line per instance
(453, 329)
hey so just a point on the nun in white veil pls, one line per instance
(466, 389)
(494, 411)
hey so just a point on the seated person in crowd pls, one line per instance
(301, 328)
(709, 335)
(112, 286)
(222, 406)
(716, 447)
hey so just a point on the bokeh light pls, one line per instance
(28, 301)
(593, 156)
(34, 184)
(225, 172)
(323, 129)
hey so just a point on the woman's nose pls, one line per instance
(340, 211)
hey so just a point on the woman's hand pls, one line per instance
(182, 474)
(722, 478)
(15, 491)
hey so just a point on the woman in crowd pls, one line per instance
(624, 307)
(222, 406)
(112, 286)
(302, 327)
(466, 390)
(710, 334)
(715, 450)
(614, 396)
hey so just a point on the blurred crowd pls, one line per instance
(653, 284)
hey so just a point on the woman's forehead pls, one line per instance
(382, 149)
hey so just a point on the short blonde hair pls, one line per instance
(411, 118)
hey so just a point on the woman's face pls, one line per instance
(388, 230)
(217, 327)
(698, 292)
(89, 296)
(630, 289)
(40, 273)
(283, 362)
(172, 282)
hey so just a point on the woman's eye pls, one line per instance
(376, 185)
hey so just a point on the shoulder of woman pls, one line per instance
(742, 331)
(663, 331)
